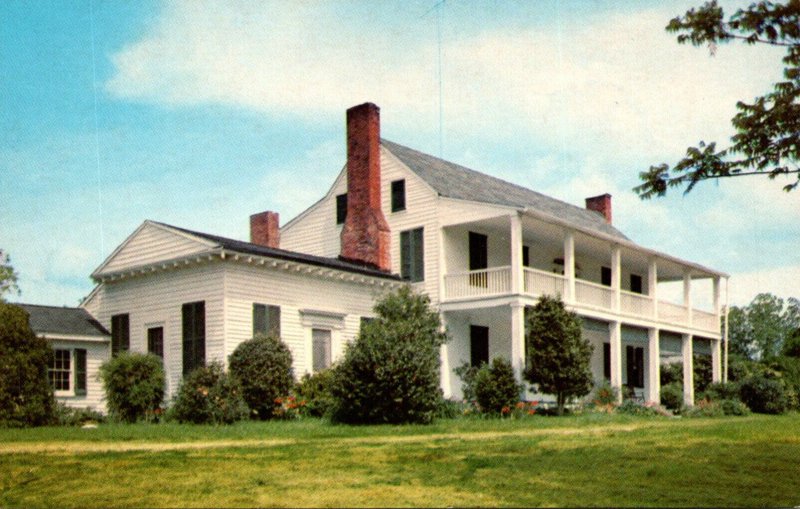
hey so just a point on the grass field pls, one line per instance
(589, 460)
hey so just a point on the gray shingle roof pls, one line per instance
(62, 320)
(240, 246)
(451, 180)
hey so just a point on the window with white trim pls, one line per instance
(67, 372)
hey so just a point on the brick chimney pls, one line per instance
(600, 204)
(264, 229)
(365, 235)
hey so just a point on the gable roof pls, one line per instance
(451, 180)
(249, 248)
(63, 321)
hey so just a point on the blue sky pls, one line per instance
(199, 114)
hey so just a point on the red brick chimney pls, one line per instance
(600, 204)
(365, 235)
(264, 229)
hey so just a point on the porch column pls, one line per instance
(688, 370)
(652, 284)
(517, 276)
(653, 381)
(518, 339)
(569, 265)
(444, 365)
(716, 358)
(615, 340)
(687, 296)
(616, 276)
(716, 296)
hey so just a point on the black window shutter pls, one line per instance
(630, 364)
(398, 195)
(259, 319)
(341, 208)
(526, 257)
(607, 360)
(405, 255)
(120, 334)
(274, 321)
(640, 367)
(479, 345)
(80, 372)
(605, 276)
(419, 262)
(194, 336)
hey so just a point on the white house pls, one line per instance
(483, 249)
(80, 345)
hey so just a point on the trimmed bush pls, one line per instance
(263, 368)
(390, 372)
(733, 407)
(209, 396)
(26, 397)
(466, 372)
(605, 395)
(672, 396)
(631, 407)
(496, 388)
(764, 395)
(134, 385)
(67, 416)
(719, 391)
(704, 408)
(315, 390)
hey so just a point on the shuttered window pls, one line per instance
(398, 195)
(341, 208)
(411, 255)
(80, 372)
(266, 320)
(60, 371)
(120, 334)
(194, 336)
(635, 366)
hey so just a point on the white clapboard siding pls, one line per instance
(97, 352)
(153, 243)
(155, 300)
(293, 291)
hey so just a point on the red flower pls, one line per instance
(505, 410)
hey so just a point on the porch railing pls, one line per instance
(636, 304)
(593, 294)
(539, 282)
(675, 313)
(478, 283)
(705, 320)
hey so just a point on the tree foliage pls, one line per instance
(390, 372)
(767, 139)
(134, 385)
(558, 357)
(763, 328)
(263, 367)
(496, 388)
(209, 396)
(8, 276)
(26, 398)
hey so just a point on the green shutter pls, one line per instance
(275, 321)
(419, 260)
(80, 372)
(259, 319)
(194, 335)
(405, 255)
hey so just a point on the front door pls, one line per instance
(478, 258)
(479, 345)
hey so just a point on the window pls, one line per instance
(194, 336)
(605, 276)
(411, 255)
(80, 372)
(607, 361)
(341, 208)
(398, 195)
(636, 283)
(526, 256)
(266, 320)
(321, 349)
(120, 334)
(635, 365)
(60, 370)
(155, 341)
(479, 345)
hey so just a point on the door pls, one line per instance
(478, 258)
(479, 345)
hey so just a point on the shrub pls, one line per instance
(719, 391)
(672, 396)
(496, 388)
(67, 416)
(631, 407)
(450, 409)
(704, 408)
(209, 396)
(315, 390)
(605, 395)
(788, 368)
(733, 407)
(26, 397)
(134, 385)
(764, 395)
(263, 368)
(466, 372)
(390, 372)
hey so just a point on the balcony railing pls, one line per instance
(497, 281)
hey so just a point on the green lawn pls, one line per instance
(590, 460)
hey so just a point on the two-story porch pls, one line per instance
(636, 304)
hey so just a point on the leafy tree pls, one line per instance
(558, 356)
(761, 329)
(8, 276)
(390, 372)
(26, 397)
(134, 385)
(263, 367)
(767, 139)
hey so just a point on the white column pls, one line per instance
(517, 282)
(725, 336)
(688, 370)
(716, 296)
(616, 276)
(518, 339)
(653, 380)
(569, 265)
(442, 267)
(716, 364)
(444, 365)
(652, 284)
(615, 340)
(687, 296)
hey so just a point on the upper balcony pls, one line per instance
(525, 257)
